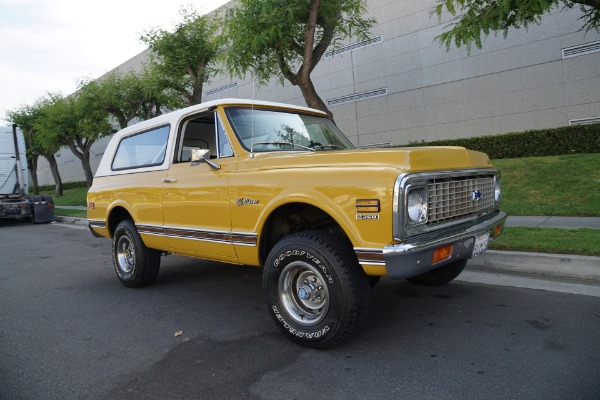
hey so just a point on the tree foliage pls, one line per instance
(29, 119)
(287, 38)
(477, 18)
(76, 122)
(183, 59)
(130, 95)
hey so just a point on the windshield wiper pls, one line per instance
(279, 143)
(328, 146)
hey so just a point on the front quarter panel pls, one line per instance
(256, 194)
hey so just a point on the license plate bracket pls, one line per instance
(481, 244)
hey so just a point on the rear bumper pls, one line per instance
(95, 226)
(414, 257)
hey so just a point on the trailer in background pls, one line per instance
(15, 202)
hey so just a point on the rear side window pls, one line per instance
(145, 149)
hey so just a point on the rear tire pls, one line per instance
(135, 264)
(315, 290)
(440, 276)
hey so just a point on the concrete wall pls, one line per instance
(509, 85)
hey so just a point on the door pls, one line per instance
(196, 213)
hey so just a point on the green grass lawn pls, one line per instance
(549, 240)
(566, 185)
(70, 213)
(70, 197)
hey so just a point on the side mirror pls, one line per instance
(202, 155)
(199, 154)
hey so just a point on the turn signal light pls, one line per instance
(442, 254)
(497, 231)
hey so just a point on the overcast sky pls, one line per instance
(48, 45)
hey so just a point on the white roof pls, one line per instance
(174, 116)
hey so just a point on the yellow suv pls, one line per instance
(279, 186)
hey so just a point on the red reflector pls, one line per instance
(442, 254)
(497, 231)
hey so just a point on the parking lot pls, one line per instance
(70, 330)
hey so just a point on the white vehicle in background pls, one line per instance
(15, 203)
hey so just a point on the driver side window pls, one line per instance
(203, 131)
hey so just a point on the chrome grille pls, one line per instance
(455, 198)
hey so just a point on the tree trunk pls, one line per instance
(32, 162)
(83, 153)
(311, 97)
(87, 169)
(56, 174)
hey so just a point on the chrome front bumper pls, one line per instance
(414, 257)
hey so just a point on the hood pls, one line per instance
(413, 159)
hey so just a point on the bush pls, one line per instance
(66, 185)
(538, 143)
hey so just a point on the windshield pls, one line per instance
(272, 130)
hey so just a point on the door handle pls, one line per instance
(169, 180)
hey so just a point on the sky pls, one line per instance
(47, 46)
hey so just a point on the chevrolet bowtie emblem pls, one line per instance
(477, 195)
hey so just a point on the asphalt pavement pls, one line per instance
(560, 266)
(70, 330)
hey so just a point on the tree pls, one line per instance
(287, 38)
(183, 59)
(28, 118)
(130, 95)
(477, 17)
(76, 122)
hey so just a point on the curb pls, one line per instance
(70, 220)
(549, 265)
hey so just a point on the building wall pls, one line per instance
(426, 93)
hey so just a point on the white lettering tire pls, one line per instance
(315, 290)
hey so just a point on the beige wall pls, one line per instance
(510, 85)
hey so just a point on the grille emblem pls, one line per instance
(477, 195)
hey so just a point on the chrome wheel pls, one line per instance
(303, 293)
(125, 254)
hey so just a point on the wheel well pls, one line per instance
(292, 218)
(117, 215)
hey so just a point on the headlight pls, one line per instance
(497, 192)
(417, 205)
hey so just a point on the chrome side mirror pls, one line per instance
(203, 155)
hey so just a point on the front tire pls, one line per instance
(440, 276)
(135, 264)
(315, 290)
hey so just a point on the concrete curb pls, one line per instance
(70, 220)
(549, 265)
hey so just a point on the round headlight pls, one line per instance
(417, 209)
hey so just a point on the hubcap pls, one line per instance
(303, 293)
(125, 254)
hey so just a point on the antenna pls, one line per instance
(252, 122)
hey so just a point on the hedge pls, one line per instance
(66, 185)
(536, 143)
